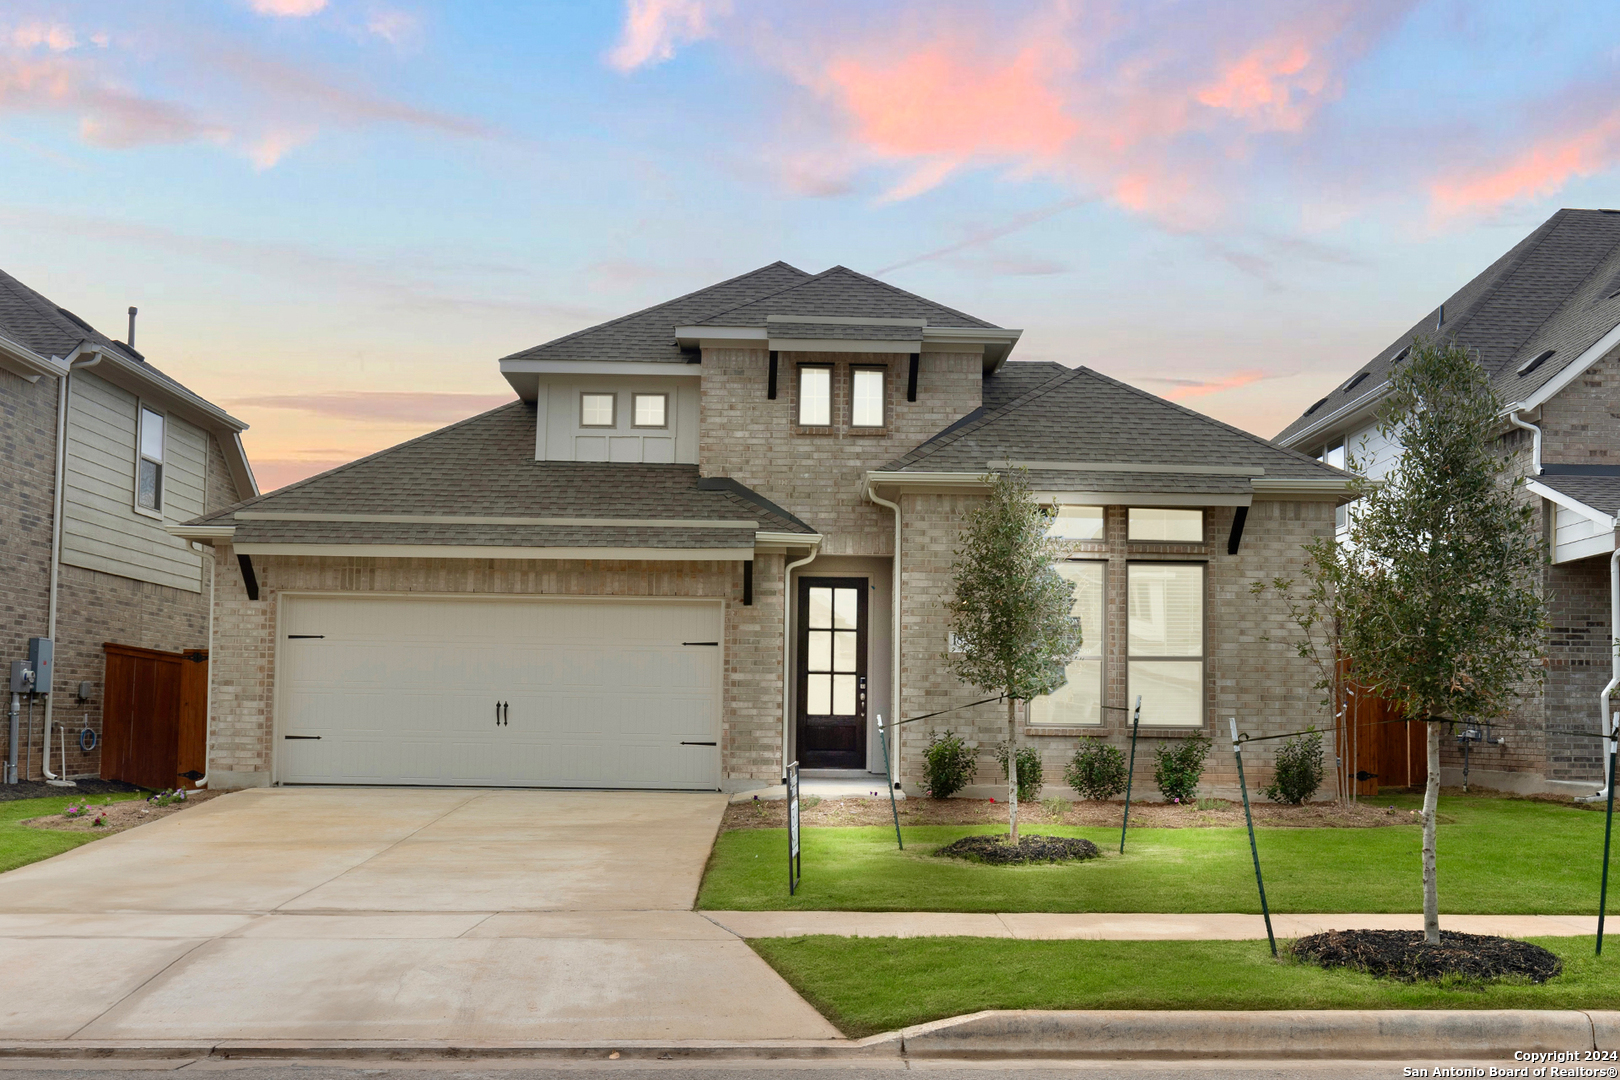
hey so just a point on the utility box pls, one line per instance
(22, 677)
(42, 658)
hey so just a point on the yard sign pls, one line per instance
(794, 867)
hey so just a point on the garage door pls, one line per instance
(575, 693)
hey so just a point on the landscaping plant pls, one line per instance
(1299, 769)
(1433, 596)
(1011, 611)
(1178, 768)
(1097, 770)
(948, 764)
(1031, 774)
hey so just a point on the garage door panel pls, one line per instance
(599, 693)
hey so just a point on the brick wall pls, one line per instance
(245, 632)
(27, 491)
(818, 474)
(1262, 682)
(1581, 424)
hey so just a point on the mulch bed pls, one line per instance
(1404, 955)
(118, 816)
(1029, 849)
(39, 789)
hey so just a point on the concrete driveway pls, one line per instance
(339, 914)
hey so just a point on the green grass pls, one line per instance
(868, 985)
(20, 845)
(1495, 856)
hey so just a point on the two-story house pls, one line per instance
(99, 453)
(715, 536)
(1544, 320)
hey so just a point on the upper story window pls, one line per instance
(866, 397)
(815, 396)
(149, 462)
(1076, 523)
(597, 410)
(1162, 524)
(650, 411)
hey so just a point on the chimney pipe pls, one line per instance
(130, 341)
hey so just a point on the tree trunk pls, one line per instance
(1431, 799)
(1012, 769)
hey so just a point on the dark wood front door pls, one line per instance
(832, 673)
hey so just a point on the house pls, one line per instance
(714, 536)
(99, 452)
(1544, 320)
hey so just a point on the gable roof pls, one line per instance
(1557, 290)
(840, 293)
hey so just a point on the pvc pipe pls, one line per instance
(894, 639)
(1535, 439)
(787, 645)
(46, 766)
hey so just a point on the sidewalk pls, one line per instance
(1040, 926)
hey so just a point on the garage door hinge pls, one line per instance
(700, 643)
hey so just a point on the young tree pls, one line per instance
(1433, 594)
(1011, 610)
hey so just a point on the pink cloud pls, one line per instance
(400, 29)
(382, 405)
(274, 473)
(1539, 169)
(53, 36)
(653, 29)
(108, 114)
(288, 9)
(1181, 389)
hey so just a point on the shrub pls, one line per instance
(1299, 769)
(948, 764)
(1178, 768)
(1031, 776)
(1097, 770)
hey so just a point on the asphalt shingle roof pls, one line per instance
(484, 467)
(1552, 291)
(1599, 492)
(841, 293)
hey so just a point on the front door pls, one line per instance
(832, 673)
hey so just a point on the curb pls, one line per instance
(1347, 1035)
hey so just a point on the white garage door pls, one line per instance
(554, 693)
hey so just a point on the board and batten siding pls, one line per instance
(101, 529)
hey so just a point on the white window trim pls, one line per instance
(1203, 638)
(798, 393)
(141, 407)
(636, 396)
(883, 396)
(614, 410)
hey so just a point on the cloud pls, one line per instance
(288, 9)
(382, 405)
(109, 115)
(653, 29)
(275, 473)
(1536, 170)
(1182, 389)
(53, 36)
(400, 29)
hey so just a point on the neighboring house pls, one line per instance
(714, 536)
(99, 452)
(1544, 320)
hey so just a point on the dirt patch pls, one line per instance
(1029, 849)
(118, 816)
(1404, 955)
(1215, 813)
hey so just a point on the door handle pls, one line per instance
(497, 714)
(506, 713)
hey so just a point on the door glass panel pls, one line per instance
(844, 608)
(819, 654)
(844, 650)
(843, 693)
(818, 695)
(821, 608)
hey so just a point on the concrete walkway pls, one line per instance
(467, 916)
(1038, 926)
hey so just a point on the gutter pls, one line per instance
(1535, 438)
(894, 638)
(787, 640)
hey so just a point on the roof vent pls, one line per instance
(75, 320)
(1440, 316)
(1355, 382)
(1530, 365)
(1398, 357)
(1318, 405)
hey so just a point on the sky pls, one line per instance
(335, 216)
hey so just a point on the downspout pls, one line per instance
(894, 637)
(208, 688)
(1535, 439)
(1605, 724)
(787, 646)
(64, 388)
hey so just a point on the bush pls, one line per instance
(1178, 769)
(948, 764)
(1097, 770)
(1299, 769)
(1031, 776)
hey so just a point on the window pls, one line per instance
(149, 464)
(1079, 701)
(1076, 523)
(866, 397)
(597, 410)
(1165, 662)
(1165, 525)
(651, 410)
(815, 396)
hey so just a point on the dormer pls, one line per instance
(606, 410)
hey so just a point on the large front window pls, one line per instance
(1165, 664)
(1079, 701)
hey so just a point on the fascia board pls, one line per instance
(844, 345)
(454, 519)
(1569, 502)
(766, 537)
(127, 372)
(201, 532)
(842, 320)
(926, 479)
(1129, 467)
(1139, 498)
(1549, 389)
(978, 334)
(1281, 485)
(491, 551)
(26, 363)
(596, 367)
(236, 459)
(721, 335)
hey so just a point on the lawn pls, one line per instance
(20, 845)
(1496, 856)
(868, 985)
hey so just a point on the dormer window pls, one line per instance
(149, 463)
(597, 410)
(815, 396)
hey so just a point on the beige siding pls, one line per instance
(101, 530)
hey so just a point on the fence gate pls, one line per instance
(154, 716)
(1378, 748)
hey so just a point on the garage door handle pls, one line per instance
(300, 736)
(683, 744)
(700, 643)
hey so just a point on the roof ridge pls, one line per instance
(767, 296)
(655, 307)
(931, 446)
(1547, 229)
(912, 295)
(841, 268)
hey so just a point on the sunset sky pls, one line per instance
(335, 215)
